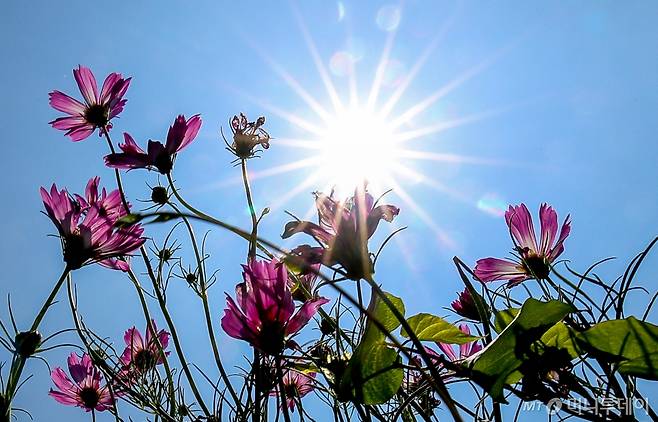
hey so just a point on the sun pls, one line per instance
(357, 146)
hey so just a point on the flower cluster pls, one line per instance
(87, 229)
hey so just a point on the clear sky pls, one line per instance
(539, 101)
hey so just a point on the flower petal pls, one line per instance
(87, 84)
(66, 104)
(519, 222)
(491, 269)
(304, 315)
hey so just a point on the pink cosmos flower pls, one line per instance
(142, 355)
(87, 229)
(465, 306)
(263, 314)
(533, 260)
(465, 350)
(85, 390)
(296, 385)
(343, 231)
(157, 156)
(98, 109)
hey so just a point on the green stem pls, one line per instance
(160, 298)
(154, 335)
(282, 390)
(206, 310)
(252, 211)
(437, 381)
(18, 362)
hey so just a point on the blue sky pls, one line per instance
(560, 101)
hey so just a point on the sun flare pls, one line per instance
(357, 147)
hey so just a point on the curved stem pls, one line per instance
(206, 310)
(18, 362)
(154, 335)
(282, 390)
(437, 380)
(160, 297)
(252, 211)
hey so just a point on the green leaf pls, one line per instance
(373, 373)
(561, 337)
(497, 364)
(382, 313)
(558, 336)
(428, 327)
(373, 376)
(129, 220)
(631, 342)
(504, 318)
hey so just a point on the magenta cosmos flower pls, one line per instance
(142, 354)
(465, 350)
(87, 229)
(85, 390)
(465, 306)
(98, 109)
(296, 385)
(157, 156)
(262, 313)
(533, 259)
(342, 232)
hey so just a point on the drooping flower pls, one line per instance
(98, 109)
(465, 350)
(262, 313)
(533, 259)
(87, 229)
(85, 390)
(157, 156)
(247, 137)
(141, 354)
(342, 232)
(465, 306)
(296, 385)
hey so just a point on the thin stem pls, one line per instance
(206, 310)
(282, 390)
(18, 362)
(154, 335)
(252, 211)
(161, 301)
(437, 380)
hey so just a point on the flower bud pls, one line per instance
(159, 195)
(27, 343)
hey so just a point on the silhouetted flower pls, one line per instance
(343, 232)
(263, 314)
(296, 385)
(143, 354)
(465, 306)
(87, 230)
(247, 137)
(85, 390)
(533, 259)
(98, 109)
(157, 156)
(465, 350)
